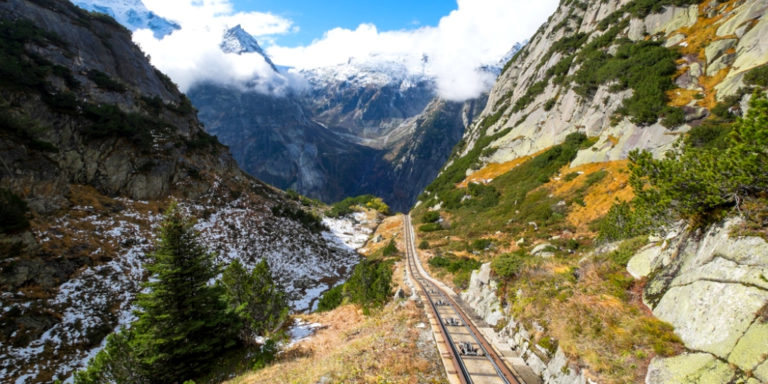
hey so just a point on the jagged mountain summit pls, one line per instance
(238, 41)
(133, 14)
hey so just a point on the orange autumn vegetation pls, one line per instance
(600, 196)
(494, 170)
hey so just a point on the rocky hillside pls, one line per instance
(539, 218)
(633, 74)
(94, 144)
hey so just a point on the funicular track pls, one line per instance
(474, 359)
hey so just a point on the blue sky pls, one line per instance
(315, 17)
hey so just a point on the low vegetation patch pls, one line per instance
(369, 287)
(645, 67)
(707, 176)
(13, 212)
(349, 204)
(460, 267)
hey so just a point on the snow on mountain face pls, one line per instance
(132, 14)
(363, 73)
(238, 41)
(99, 298)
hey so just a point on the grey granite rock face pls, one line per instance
(713, 288)
(532, 128)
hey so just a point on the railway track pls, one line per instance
(473, 357)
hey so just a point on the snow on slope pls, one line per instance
(130, 13)
(99, 298)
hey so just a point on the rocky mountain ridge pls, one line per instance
(539, 98)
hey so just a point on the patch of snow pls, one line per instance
(302, 330)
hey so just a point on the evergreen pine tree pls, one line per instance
(183, 322)
(259, 302)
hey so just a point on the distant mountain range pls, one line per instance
(367, 126)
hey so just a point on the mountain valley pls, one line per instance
(599, 215)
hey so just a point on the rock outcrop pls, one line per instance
(713, 287)
(551, 367)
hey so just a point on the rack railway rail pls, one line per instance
(473, 357)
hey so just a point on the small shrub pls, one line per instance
(594, 178)
(390, 249)
(549, 104)
(347, 205)
(13, 212)
(509, 265)
(431, 217)
(370, 285)
(430, 227)
(103, 81)
(571, 176)
(424, 244)
(757, 76)
(331, 299)
(308, 219)
(626, 250)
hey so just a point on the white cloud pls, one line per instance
(479, 32)
(192, 54)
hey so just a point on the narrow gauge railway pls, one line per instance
(474, 360)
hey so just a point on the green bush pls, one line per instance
(530, 94)
(626, 250)
(482, 196)
(460, 267)
(757, 76)
(331, 299)
(509, 265)
(430, 227)
(390, 249)
(596, 177)
(257, 300)
(424, 244)
(480, 245)
(307, 219)
(431, 217)
(370, 285)
(623, 221)
(698, 183)
(105, 82)
(646, 67)
(571, 176)
(13, 212)
(346, 206)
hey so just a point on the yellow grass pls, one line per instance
(384, 348)
(599, 197)
(494, 170)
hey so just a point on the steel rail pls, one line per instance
(504, 372)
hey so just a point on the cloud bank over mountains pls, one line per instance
(477, 33)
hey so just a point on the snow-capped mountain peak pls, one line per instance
(237, 40)
(132, 14)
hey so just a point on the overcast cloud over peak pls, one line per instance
(477, 33)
